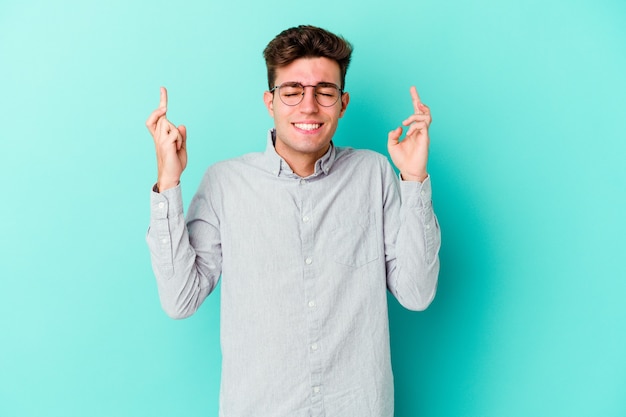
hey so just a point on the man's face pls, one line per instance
(304, 131)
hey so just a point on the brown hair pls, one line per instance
(306, 42)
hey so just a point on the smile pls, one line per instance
(308, 126)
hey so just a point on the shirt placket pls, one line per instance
(311, 301)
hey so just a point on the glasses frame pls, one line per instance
(293, 84)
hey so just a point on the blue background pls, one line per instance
(527, 162)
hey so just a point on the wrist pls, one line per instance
(165, 185)
(413, 177)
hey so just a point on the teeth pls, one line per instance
(307, 126)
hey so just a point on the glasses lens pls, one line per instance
(291, 93)
(326, 94)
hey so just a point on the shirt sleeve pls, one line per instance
(412, 243)
(185, 274)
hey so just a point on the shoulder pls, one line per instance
(367, 165)
(236, 164)
(354, 157)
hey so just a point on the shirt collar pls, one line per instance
(278, 166)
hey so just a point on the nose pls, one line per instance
(309, 102)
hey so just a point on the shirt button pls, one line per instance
(427, 227)
(314, 346)
(311, 304)
(302, 182)
(305, 219)
(161, 205)
(164, 240)
(308, 261)
(422, 193)
(316, 390)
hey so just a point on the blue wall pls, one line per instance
(528, 150)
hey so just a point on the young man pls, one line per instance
(307, 238)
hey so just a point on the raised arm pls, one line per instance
(186, 260)
(412, 235)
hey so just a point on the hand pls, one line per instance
(170, 143)
(411, 154)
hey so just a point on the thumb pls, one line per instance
(394, 136)
(183, 131)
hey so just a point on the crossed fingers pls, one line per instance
(162, 129)
(421, 118)
(159, 113)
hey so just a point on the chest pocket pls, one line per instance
(353, 240)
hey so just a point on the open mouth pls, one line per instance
(308, 126)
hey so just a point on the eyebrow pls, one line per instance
(320, 84)
(327, 84)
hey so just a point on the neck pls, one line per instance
(302, 164)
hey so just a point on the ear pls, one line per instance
(345, 99)
(268, 99)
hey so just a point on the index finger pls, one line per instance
(416, 99)
(163, 103)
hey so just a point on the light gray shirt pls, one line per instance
(305, 264)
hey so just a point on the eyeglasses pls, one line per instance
(292, 93)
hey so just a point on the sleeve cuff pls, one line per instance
(166, 204)
(417, 194)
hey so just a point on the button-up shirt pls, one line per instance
(305, 264)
